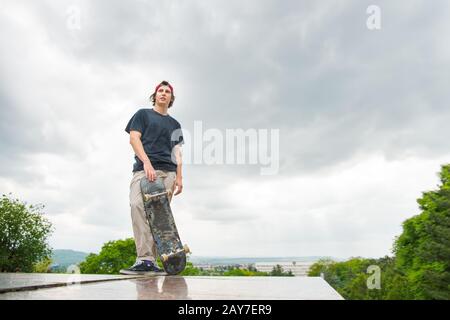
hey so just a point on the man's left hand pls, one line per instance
(178, 186)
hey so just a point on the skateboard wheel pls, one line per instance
(164, 257)
(186, 249)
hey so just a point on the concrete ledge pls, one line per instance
(10, 282)
(97, 287)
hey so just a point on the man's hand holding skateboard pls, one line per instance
(136, 143)
(150, 172)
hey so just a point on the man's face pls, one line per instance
(163, 95)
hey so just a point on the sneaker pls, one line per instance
(143, 267)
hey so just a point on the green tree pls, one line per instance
(278, 271)
(423, 249)
(23, 235)
(350, 277)
(237, 272)
(191, 270)
(43, 266)
(420, 268)
(114, 255)
(341, 274)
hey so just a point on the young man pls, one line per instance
(156, 139)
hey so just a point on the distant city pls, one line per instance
(299, 266)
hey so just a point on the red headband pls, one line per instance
(159, 85)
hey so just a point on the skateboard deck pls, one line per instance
(162, 225)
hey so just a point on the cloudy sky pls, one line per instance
(362, 115)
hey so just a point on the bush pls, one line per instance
(423, 249)
(23, 235)
(115, 255)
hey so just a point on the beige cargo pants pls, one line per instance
(145, 245)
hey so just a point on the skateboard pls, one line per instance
(162, 225)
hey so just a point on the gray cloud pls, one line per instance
(335, 89)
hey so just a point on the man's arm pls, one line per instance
(136, 143)
(179, 179)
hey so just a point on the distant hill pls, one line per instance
(65, 258)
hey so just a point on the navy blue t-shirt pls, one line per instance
(160, 133)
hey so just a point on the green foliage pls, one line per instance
(231, 271)
(421, 266)
(423, 249)
(238, 272)
(23, 235)
(42, 266)
(190, 270)
(350, 278)
(234, 271)
(115, 255)
(278, 271)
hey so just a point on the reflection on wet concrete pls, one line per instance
(186, 288)
(172, 288)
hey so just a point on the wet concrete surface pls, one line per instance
(186, 288)
(30, 281)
